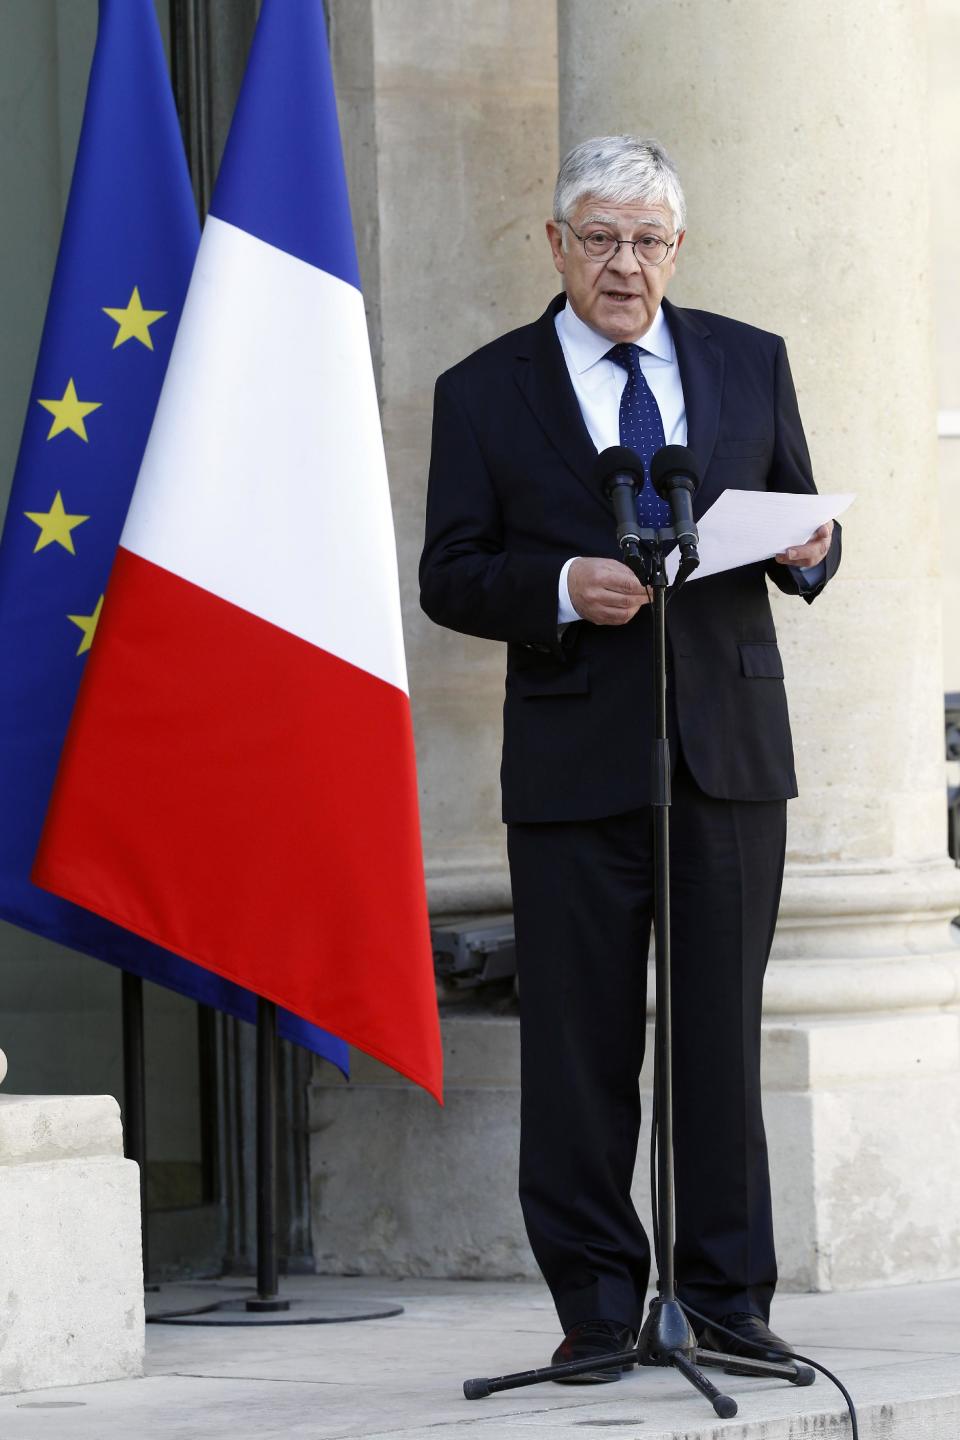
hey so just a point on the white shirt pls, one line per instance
(599, 383)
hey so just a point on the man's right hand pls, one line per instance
(606, 592)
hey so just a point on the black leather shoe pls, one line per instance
(754, 1338)
(593, 1338)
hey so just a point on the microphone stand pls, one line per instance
(667, 1338)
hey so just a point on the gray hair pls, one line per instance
(621, 169)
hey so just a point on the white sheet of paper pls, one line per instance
(744, 526)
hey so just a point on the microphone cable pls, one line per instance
(791, 1356)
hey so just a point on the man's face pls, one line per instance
(618, 297)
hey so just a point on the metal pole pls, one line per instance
(267, 1263)
(666, 1220)
(666, 1337)
(135, 1095)
(190, 57)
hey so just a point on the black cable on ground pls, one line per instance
(791, 1356)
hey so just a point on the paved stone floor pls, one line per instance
(897, 1350)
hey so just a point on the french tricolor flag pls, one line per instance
(238, 782)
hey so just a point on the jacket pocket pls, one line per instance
(536, 682)
(761, 661)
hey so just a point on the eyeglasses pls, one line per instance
(647, 250)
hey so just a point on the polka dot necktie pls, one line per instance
(641, 428)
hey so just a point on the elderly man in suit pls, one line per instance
(521, 547)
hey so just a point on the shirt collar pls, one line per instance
(585, 346)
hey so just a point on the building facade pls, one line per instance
(817, 146)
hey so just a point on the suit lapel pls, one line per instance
(544, 381)
(701, 373)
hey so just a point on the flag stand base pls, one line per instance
(224, 1302)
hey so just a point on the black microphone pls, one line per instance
(675, 475)
(618, 472)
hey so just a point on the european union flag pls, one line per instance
(127, 250)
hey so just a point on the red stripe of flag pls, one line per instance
(249, 801)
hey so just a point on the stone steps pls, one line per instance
(897, 1350)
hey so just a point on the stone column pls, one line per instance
(800, 134)
(943, 19)
(449, 127)
(450, 133)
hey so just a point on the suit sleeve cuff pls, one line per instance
(565, 611)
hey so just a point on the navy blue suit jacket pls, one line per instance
(511, 498)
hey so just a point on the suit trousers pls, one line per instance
(583, 905)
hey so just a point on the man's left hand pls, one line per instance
(803, 556)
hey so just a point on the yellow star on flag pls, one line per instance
(55, 525)
(68, 412)
(88, 624)
(133, 323)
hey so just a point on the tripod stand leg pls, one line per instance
(724, 1405)
(784, 1369)
(479, 1388)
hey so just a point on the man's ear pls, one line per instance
(555, 236)
(680, 240)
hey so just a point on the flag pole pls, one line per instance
(267, 1306)
(267, 1297)
(135, 1095)
(191, 83)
